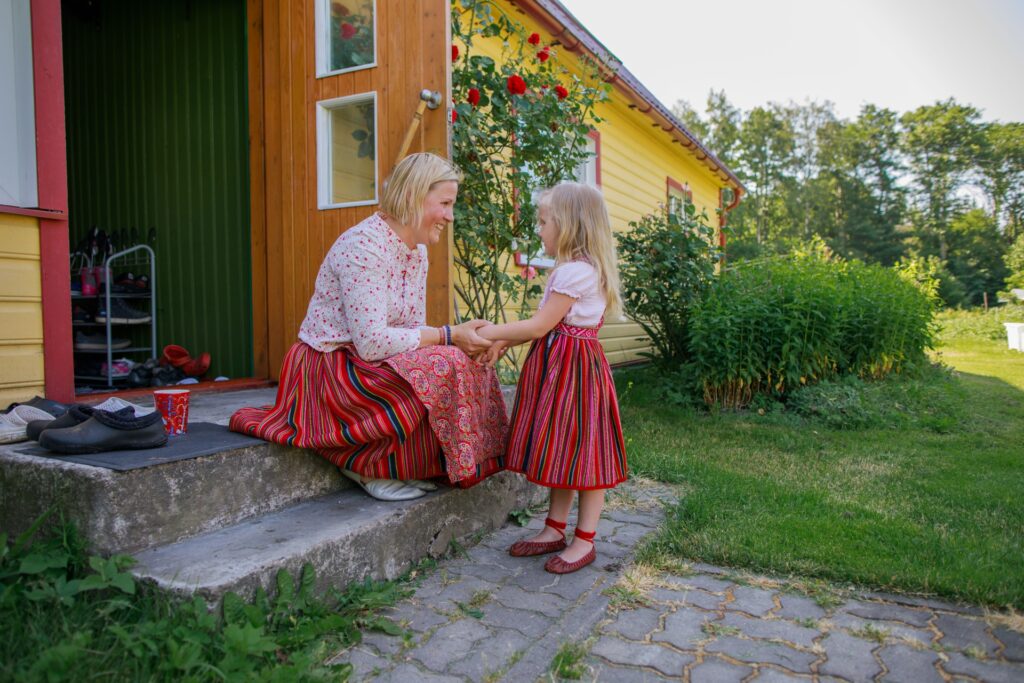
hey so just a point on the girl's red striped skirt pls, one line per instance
(566, 432)
(427, 413)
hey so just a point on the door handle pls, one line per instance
(429, 99)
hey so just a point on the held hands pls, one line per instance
(466, 338)
(491, 356)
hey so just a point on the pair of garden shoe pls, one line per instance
(391, 489)
(556, 565)
(113, 425)
(14, 419)
(179, 357)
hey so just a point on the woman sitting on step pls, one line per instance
(368, 385)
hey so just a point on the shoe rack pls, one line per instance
(108, 301)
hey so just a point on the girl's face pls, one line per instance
(438, 208)
(547, 230)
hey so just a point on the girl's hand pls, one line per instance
(491, 356)
(465, 337)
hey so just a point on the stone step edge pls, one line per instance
(346, 536)
(126, 512)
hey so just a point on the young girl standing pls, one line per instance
(566, 433)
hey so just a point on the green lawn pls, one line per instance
(929, 497)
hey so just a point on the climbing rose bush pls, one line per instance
(520, 124)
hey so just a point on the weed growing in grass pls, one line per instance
(568, 661)
(495, 676)
(60, 609)
(871, 632)
(715, 629)
(521, 516)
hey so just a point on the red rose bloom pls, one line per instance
(516, 84)
(473, 96)
(339, 9)
(561, 92)
(455, 116)
(347, 30)
(544, 54)
(455, 52)
(534, 39)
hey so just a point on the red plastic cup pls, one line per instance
(173, 407)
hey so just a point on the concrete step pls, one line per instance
(128, 511)
(347, 536)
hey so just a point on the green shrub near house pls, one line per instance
(769, 327)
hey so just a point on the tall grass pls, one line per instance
(771, 326)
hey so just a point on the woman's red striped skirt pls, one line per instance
(369, 418)
(566, 432)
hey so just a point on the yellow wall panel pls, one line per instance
(22, 322)
(21, 310)
(19, 236)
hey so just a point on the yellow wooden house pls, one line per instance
(214, 125)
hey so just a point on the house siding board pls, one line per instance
(157, 136)
(21, 310)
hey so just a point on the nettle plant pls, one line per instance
(519, 124)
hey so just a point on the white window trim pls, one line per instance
(324, 150)
(322, 21)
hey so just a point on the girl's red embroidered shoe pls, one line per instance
(556, 565)
(530, 548)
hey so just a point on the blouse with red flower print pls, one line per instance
(370, 292)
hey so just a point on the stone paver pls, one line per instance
(487, 616)
(754, 601)
(909, 665)
(713, 670)
(849, 657)
(759, 651)
(649, 655)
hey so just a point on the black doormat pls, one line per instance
(203, 438)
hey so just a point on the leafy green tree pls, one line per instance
(1001, 171)
(765, 161)
(976, 255)
(1014, 261)
(941, 142)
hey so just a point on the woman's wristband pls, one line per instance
(444, 335)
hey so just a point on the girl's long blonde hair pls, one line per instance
(585, 234)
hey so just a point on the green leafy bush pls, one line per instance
(666, 263)
(770, 326)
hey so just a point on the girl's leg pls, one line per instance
(589, 515)
(558, 510)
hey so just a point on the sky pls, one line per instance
(899, 54)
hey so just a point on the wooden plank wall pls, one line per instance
(21, 310)
(290, 234)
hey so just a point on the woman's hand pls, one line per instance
(465, 337)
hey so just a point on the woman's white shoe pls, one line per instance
(422, 485)
(385, 489)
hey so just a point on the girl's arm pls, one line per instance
(550, 314)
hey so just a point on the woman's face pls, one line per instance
(438, 208)
(547, 230)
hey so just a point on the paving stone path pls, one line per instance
(486, 616)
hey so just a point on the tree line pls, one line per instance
(938, 185)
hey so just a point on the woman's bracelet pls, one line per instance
(445, 332)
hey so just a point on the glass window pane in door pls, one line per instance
(353, 152)
(351, 38)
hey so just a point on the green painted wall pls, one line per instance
(157, 137)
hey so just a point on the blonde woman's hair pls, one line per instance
(408, 185)
(585, 234)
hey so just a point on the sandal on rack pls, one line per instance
(556, 565)
(531, 548)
